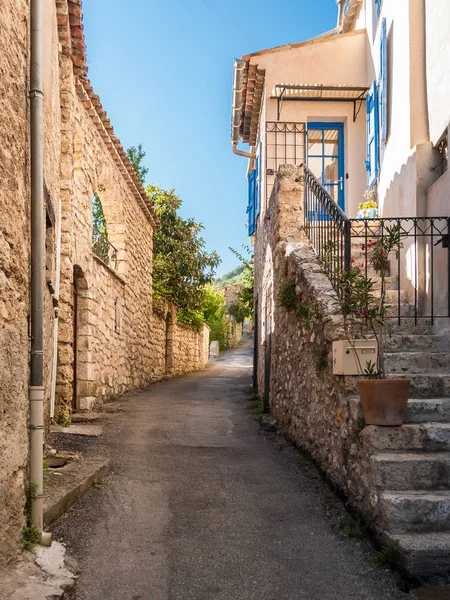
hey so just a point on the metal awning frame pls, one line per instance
(325, 88)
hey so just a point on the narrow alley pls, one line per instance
(203, 505)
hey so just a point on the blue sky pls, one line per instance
(163, 70)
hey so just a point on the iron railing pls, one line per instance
(285, 145)
(327, 227)
(103, 248)
(418, 286)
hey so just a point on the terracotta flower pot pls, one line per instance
(384, 400)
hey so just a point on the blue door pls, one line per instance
(325, 157)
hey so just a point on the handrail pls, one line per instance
(423, 293)
(312, 179)
(328, 228)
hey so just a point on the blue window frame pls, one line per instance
(372, 159)
(251, 208)
(383, 91)
(325, 157)
(258, 182)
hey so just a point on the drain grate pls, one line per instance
(56, 463)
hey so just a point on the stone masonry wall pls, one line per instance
(180, 349)
(14, 271)
(115, 350)
(311, 405)
(233, 333)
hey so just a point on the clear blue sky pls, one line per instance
(163, 71)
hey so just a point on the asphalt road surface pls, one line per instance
(203, 505)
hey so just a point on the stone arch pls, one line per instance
(108, 190)
(84, 387)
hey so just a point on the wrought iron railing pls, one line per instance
(327, 227)
(418, 286)
(103, 248)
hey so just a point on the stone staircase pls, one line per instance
(410, 465)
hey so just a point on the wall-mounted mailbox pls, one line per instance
(351, 358)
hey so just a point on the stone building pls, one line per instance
(357, 113)
(103, 334)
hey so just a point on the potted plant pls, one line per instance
(369, 208)
(383, 400)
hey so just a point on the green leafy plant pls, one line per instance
(357, 297)
(245, 297)
(287, 296)
(256, 409)
(387, 556)
(251, 393)
(136, 155)
(306, 308)
(355, 527)
(30, 534)
(371, 371)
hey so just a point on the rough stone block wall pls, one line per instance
(14, 272)
(180, 349)
(311, 404)
(233, 333)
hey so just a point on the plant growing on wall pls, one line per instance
(304, 306)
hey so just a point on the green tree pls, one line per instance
(245, 298)
(136, 156)
(181, 264)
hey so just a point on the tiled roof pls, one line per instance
(71, 37)
(253, 87)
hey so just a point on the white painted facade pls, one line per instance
(411, 181)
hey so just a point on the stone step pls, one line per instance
(422, 555)
(412, 471)
(413, 342)
(418, 410)
(414, 511)
(426, 385)
(428, 410)
(408, 326)
(432, 437)
(391, 297)
(417, 362)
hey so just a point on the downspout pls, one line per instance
(37, 269)
(236, 111)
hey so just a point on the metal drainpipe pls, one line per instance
(239, 68)
(37, 269)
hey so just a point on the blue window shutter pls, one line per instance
(258, 183)
(251, 203)
(383, 84)
(372, 162)
(378, 7)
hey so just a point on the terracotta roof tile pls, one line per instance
(71, 37)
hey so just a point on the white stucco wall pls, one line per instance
(438, 66)
(337, 61)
